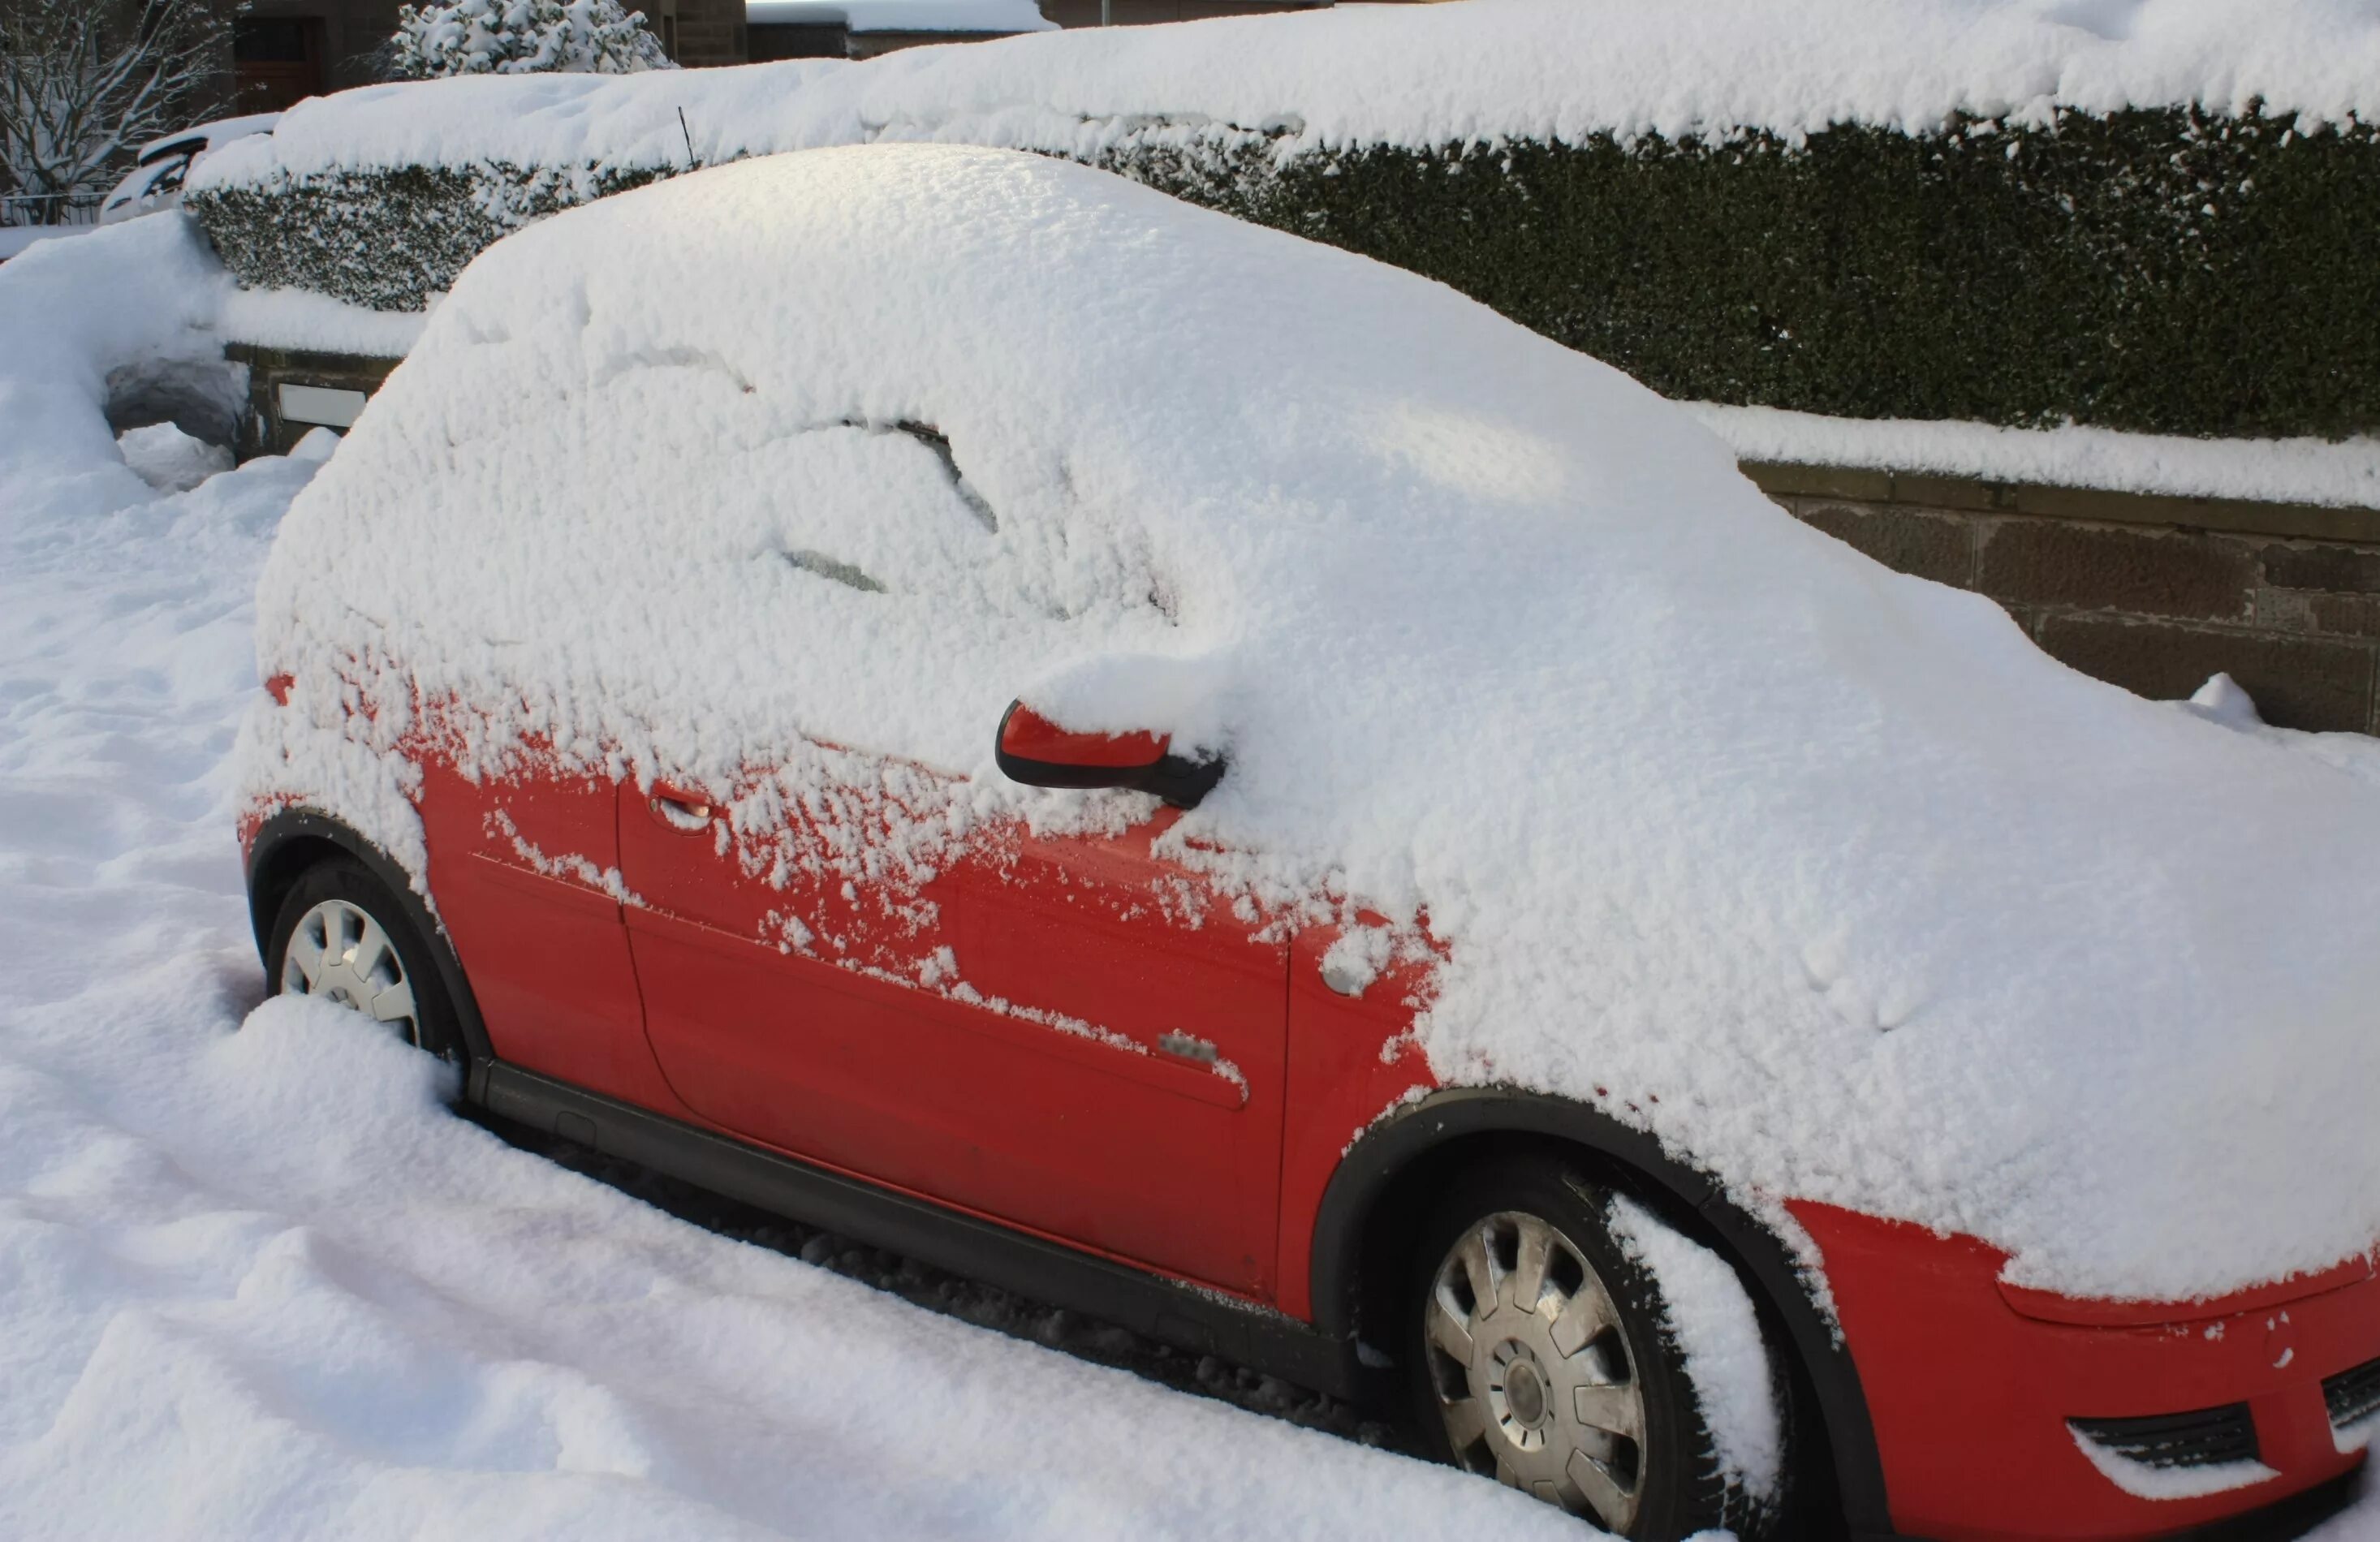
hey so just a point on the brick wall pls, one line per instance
(705, 31)
(2154, 594)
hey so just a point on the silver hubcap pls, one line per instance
(1533, 1377)
(339, 953)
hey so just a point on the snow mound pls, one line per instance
(170, 460)
(1724, 1353)
(1824, 874)
(2221, 700)
(1418, 76)
(62, 338)
(256, 1281)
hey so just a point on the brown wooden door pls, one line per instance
(279, 61)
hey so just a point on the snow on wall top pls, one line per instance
(1420, 75)
(904, 15)
(1848, 890)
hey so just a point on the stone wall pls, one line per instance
(262, 430)
(2153, 594)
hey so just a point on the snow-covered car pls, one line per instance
(1218, 783)
(162, 165)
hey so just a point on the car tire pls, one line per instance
(341, 934)
(1584, 1401)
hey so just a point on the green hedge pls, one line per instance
(387, 240)
(2158, 270)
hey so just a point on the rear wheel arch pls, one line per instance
(1365, 1225)
(292, 842)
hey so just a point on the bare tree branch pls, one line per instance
(85, 83)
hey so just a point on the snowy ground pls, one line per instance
(18, 238)
(256, 1281)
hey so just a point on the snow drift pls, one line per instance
(1822, 873)
(258, 1281)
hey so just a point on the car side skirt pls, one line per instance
(1170, 1311)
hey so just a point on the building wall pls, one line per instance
(349, 32)
(706, 32)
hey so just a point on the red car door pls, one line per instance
(1072, 1036)
(524, 868)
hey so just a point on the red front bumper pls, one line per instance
(1970, 1396)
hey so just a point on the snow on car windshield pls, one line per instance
(1824, 874)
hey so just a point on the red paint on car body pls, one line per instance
(1089, 1040)
(1028, 735)
(1970, 1399)
(524, 867)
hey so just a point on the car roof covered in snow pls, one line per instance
(203, 135)
(1825, 874)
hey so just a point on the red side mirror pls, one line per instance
(1036, 752)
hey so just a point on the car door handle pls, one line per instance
(682, 812)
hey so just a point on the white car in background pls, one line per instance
(156, 178)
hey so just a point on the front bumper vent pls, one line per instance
(2206, 1438)
(2353, 1395)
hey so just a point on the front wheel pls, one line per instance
(342, 936)
(1545, 1355)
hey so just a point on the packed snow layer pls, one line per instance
(15, 239)
(302, 318)
(57, 348)
(170, 460)
(256, 1281)
(2345, 473)
(1723, 1352)
(903, 16)
(1419, 76)
(1826, 875)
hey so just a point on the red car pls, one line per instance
(636, 741)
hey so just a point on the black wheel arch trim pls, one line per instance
(287, 828)
(1389, 1148)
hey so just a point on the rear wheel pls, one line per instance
(341, 935)
(1542, 1357)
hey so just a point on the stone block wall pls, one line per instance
(263, 431)
(2153, 594)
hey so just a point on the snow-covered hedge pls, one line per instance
(1927, 208)
(390, 238)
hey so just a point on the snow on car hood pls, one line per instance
(1825, 874)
